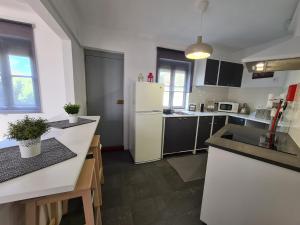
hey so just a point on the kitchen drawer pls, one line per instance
(236, 120)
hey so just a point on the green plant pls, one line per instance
(72, 108)
(27, 128)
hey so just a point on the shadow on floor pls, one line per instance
(146, 194)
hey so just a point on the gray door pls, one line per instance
(104, 88)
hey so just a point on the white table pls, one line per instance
(58, 178)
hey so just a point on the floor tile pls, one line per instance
(146, 194)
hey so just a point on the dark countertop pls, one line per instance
(287, 155)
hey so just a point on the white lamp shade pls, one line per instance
(199, 50)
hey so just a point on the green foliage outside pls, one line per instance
(27, 128)
(23, 91)
(72, 108)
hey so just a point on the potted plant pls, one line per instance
(28, 132)
(72, 110)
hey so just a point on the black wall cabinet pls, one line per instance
(235, 120)
(230, 74)
(219, 122)
(204, 127)
(211, 72)
(180, 134)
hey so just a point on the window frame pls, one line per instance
(7, 77)
(174, 65)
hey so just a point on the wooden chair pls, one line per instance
(86, 188)
(95, 151)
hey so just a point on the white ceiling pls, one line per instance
(235, 24)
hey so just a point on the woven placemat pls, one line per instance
(63, 124)
(12, 165)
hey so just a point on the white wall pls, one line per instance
(254, 97)
(49, 54)
(139, 57)
(65, 14)
(204, 94)
(255, 92)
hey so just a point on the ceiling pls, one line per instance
(233, 24)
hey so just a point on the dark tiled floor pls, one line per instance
(147, 194)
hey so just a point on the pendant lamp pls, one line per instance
(199, 50)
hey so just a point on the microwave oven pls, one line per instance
(231, 107)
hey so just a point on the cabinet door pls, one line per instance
(230, 74)
(219, 122)
(236, 120)
(180, 134)
(204, 127)
(211, 72)
(237, 75)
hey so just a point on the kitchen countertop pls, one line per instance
(238, 115)
(278, 158)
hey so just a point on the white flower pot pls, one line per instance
(73, 118)
(30, 148)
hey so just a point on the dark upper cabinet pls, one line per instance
(211, 72)
(204, 127)
(235, 120)
(180, 134)
(230, 74)
(219, 122)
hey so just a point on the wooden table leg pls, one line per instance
(98, 216)
(88, 208)
(31, 213)
(96, 185)
(54, 212)
(65, 207)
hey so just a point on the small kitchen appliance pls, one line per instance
(210, 106)
(231, 107)
(192, 107)
(201, 107)
(245, 109)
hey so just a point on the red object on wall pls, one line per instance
(291, 92)
(150, 77)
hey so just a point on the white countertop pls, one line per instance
(243, 116)
(58, 178)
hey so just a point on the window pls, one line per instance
(174, 78)
(18, 76)
(176, 73)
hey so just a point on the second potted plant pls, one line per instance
(72, 110)
(28, 133)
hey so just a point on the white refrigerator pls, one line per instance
(148, 106)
